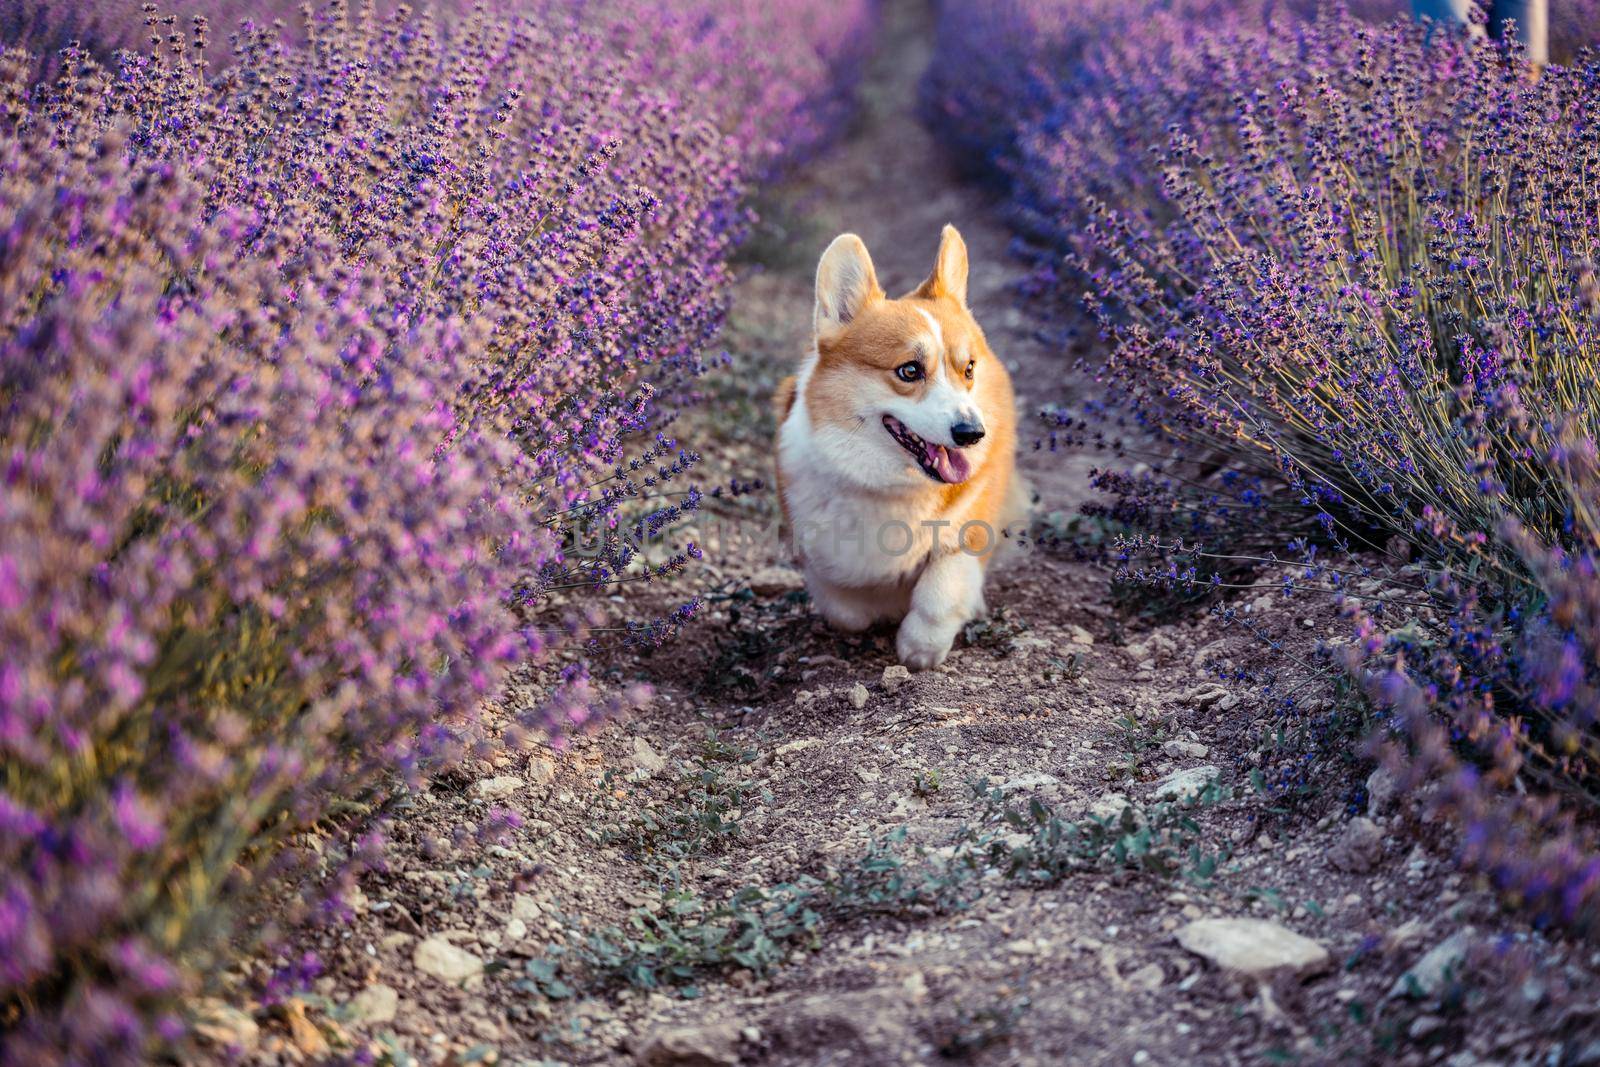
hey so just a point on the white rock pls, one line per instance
(789, 748)
(1359, 848)
(1382, 786)
(526, 907)
(894, 677)
(516, 930)
(1030, 782)
(1416, 862)
(541, 771)
(716, 1045)
(1110, 805)
(1187, 782)
(1176, 749)
(858, 696)
(1428, 975)
(1079, 636)
(1149, 977)
(647, 758)
(374, 1005)
(1253, 947)
(908, 805)
(775, 581)
(221, 1024)
(395, 940)
(1406, 933)
(495, 788)
(446, 962)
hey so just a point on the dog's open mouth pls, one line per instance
(942, 464)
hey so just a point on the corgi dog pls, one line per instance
(897, 452)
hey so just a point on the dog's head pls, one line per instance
(903, 390)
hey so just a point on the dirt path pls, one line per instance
(785, 859)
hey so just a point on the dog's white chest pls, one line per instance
(855, 541)
(847, 533)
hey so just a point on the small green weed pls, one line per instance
(1139, 741)
(754, 929)
(1041, 847)
(702, 814)
(997, 632)
(1066, 669)
(1140, 737)
(893, 878)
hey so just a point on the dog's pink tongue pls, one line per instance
(951, 464)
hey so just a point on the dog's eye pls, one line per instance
(909, 372)
(972, 365)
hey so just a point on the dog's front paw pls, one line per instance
(922, 647)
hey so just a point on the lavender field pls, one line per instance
(400, 665)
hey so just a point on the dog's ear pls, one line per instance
(949, 277)
(846, 283)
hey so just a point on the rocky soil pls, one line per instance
(1070, 844)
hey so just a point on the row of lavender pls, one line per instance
(313, 349)
(1356, 264)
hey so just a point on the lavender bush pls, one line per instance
(311, 361)
(1357, 265)
(1395, 328)
(1066, 100)
(714, 59)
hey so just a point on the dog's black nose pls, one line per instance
(966, 433)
